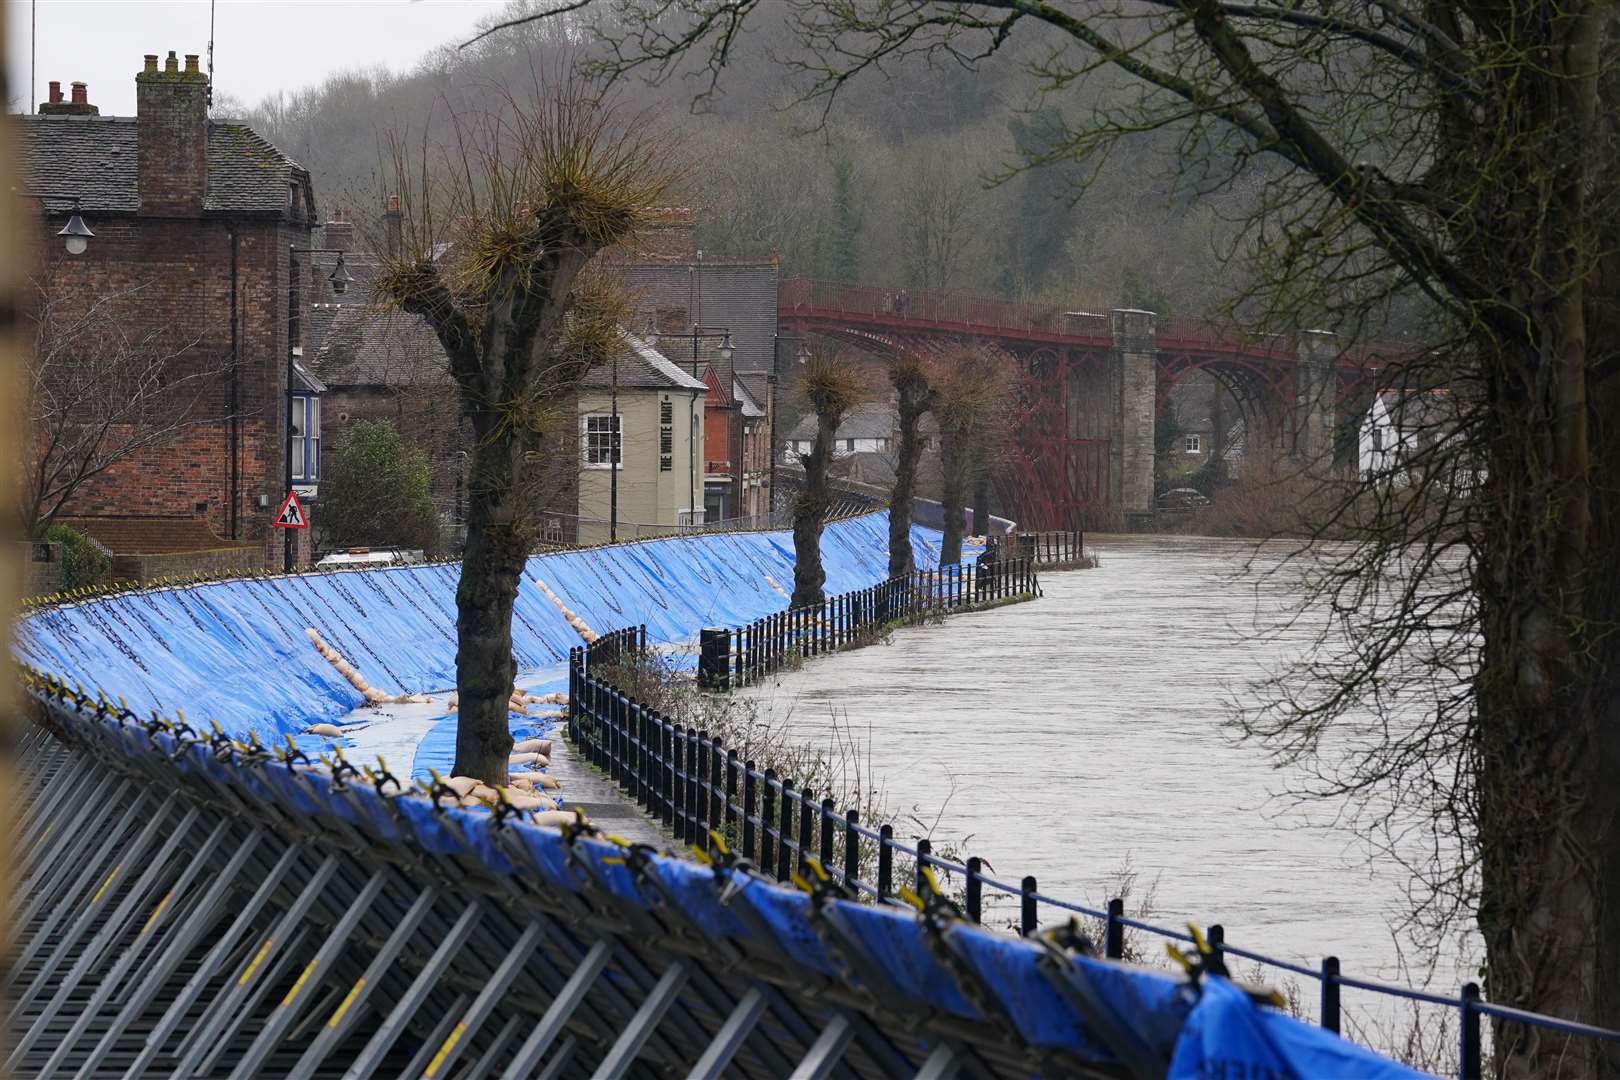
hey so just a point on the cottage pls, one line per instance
(194, 225)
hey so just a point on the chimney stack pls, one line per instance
(391, 227)
(339, 235)
(171, 110)
(78, 106)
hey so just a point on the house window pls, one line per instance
(1378, 438)
(1193, 444)
(666, 436)
(304, 430)
(849, 444)
(604, 447)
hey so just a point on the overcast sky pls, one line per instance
(259, 45)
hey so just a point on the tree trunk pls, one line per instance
(809, 513)
(954, 453)
(981, 494)
(912, 405)
(491, 568)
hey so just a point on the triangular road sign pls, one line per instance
(291, 514)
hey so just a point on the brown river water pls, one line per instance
(1069, 735)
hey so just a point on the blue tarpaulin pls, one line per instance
(236, 652)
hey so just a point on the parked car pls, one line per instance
(371, 557)
(1179, 500)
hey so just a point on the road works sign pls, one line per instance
(291, 515)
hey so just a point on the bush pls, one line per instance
(83, 560)
(375, 492)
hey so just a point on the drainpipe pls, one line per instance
(232, 514)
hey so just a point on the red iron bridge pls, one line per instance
(1089, 387)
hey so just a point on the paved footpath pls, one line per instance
(608, 808)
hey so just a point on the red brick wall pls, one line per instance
(176, 274)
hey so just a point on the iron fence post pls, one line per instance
(784, 832)
(1330, 993)
(975, 889)
(767, 822)
(731, 796)
(1114, 930)
(852, 847)
(1027, 921)
(827, 811)
(885, 862)
(807, 828)
(749, 784)
(1469, 1067)
(924, 849)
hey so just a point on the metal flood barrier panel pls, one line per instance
(196, 906)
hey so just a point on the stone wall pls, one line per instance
(39, 567)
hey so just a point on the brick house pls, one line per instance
(193, 217)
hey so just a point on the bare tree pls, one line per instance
(831, 385)
(914, 396)
(968, 383)
(498, 223)
(1443, 164)
(103, 388)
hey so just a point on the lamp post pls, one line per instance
(76, 235)
(800, 356)
(726, 352)
(339, 278)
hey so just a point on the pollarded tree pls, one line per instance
(497, 226)
(831, 385)
(968, 383)
(914, 396)
(1447, 166)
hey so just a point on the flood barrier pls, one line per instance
(195, 904)
(237, 653)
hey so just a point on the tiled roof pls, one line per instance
(153, 536)
(362, 345)
(642, 367)
(95, 158)
(740, 296)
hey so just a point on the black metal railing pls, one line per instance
(746, 654)
(694, 785)
(1053, 548)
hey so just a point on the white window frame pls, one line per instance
(1193, 443)
(589, 449)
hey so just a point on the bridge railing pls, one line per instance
(875, 302)
(696, 786)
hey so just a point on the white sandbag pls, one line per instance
(547, 782)
(330, 731)
(462, 785)
(527, 758)
(554, 819)
(532, 746)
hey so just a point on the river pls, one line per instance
(1070, 735)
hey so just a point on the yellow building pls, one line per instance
(641, 417)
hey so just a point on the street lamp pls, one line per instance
(76, 235)
(339, 279)
(725, 352)
(801, 356)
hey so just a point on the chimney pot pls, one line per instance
(151, 62)
(81, 94)
(56, 92)
(191, 64)
(171, 66)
